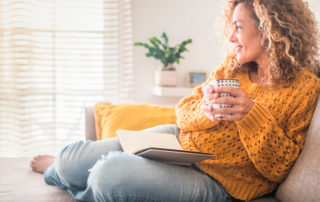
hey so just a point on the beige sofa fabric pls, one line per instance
(303, 182)
(90, 124)
(18, 183)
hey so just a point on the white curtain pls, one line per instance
(56, 58)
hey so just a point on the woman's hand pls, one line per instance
(242, 104)
(206, 107)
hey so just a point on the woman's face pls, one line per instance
(246, 37)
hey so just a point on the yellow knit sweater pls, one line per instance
(255, 154)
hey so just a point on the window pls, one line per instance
(56, 58)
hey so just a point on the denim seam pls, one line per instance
(130, 198)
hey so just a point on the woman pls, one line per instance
(275, 61)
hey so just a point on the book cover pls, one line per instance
(159, 146)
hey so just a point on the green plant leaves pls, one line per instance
(161, 50)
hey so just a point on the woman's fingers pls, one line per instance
(225, 100)
(240, 102)
(205, 107)
(231, 118)
(212, 96)
(227, 89)
(231, 110)
(208, 110)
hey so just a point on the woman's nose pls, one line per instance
(232, 37)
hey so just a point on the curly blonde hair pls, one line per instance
(289, 32)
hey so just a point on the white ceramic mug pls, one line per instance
(219, 83)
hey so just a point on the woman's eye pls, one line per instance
(238, 27)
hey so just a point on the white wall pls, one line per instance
(314, 5)
(180, 19)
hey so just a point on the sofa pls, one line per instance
(19, 183)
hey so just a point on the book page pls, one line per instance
(134, 141)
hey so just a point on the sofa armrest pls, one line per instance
(302, 183)
(90, 124)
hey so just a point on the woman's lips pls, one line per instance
(238, 48)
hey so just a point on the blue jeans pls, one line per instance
(100, 171)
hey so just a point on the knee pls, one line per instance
(66, 161)
(166, 128)
(114, 176)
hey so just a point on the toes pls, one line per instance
(36, 157)
(40, 162)
(32, 164)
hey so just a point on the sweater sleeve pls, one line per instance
(272, 149)
(189, 115)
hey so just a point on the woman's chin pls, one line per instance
(240, 61)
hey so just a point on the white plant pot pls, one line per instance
(167, 78)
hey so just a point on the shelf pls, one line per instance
(172, 91)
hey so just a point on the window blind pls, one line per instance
(56, 58)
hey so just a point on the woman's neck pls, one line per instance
(259, 75)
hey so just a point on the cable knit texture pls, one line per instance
(255, 154)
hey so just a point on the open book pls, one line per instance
(159, 146)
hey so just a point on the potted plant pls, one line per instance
(160, 49)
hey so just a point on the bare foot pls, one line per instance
(41, 162)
